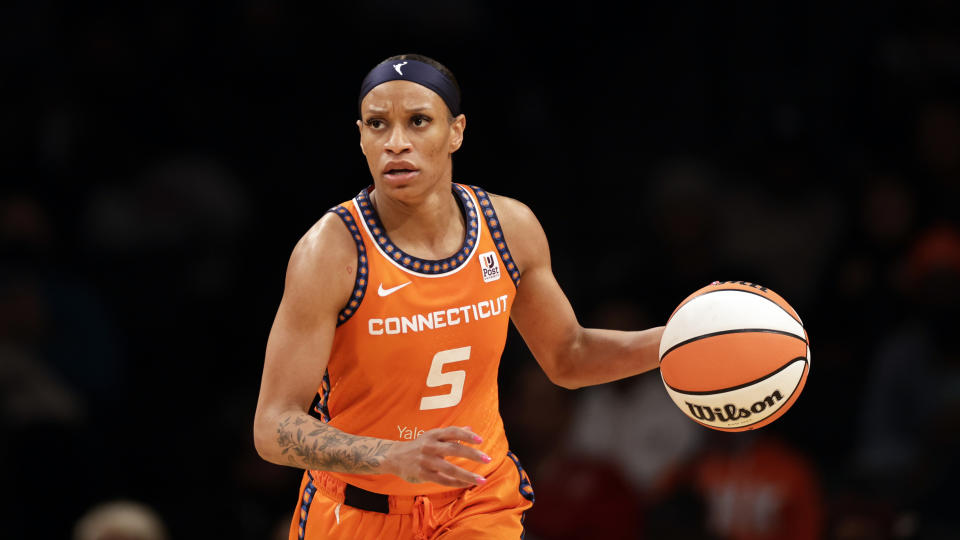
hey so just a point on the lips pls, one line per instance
(399, 167)
(399, 171)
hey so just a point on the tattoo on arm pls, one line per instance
(318, 446)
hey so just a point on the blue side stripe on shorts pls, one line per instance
(308, 491)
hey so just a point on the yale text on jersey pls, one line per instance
(408, 433)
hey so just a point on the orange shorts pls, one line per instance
(493, 510)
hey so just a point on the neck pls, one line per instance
(430, 226)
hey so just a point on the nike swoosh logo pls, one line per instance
(384, 292)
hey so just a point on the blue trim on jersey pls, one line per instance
(416, 264)
(320, 410)
(525, 488)
(493, 223)
(360, 283)
(308, 492)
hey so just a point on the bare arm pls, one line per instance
(572, 356)
(320, 279)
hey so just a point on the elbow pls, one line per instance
(561, 374)
(263, 440)
(561, 363)
(260, 444)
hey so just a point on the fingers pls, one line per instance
(459, 450)
(448, 444)
(445, 473)
(449, 474)
(438, 444)
(454, 433)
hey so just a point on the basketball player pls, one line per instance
(393, 320)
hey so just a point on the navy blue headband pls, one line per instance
(413, 71)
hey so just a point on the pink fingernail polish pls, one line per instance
(476, 438)
(486, 458)
(481, 480)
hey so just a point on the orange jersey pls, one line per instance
(418, 346)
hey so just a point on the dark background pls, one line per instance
(160, 162)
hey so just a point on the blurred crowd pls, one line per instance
(159, 163)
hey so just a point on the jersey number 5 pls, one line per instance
(437, 378)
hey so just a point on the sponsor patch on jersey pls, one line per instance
(490, 266)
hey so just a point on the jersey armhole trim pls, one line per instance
(525, 487)
(493, 224)
(319, 409)
(360, 283)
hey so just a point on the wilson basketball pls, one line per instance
(734, 356)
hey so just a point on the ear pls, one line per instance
(360, 129)
(457, 127)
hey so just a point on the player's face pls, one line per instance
(407, 137)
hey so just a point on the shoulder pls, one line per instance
(512, 212)
(522, 231)
(326, 242)
(323, 262)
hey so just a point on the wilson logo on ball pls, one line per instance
(734, 356)
(705, 413)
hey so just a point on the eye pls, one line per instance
(374, 123)
(420, 120)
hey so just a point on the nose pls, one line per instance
(397, 141)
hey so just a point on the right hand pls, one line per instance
(424, 459)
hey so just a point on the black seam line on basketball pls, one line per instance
(738, 427)
(736, 331)
(738, 290)
(739, 386)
